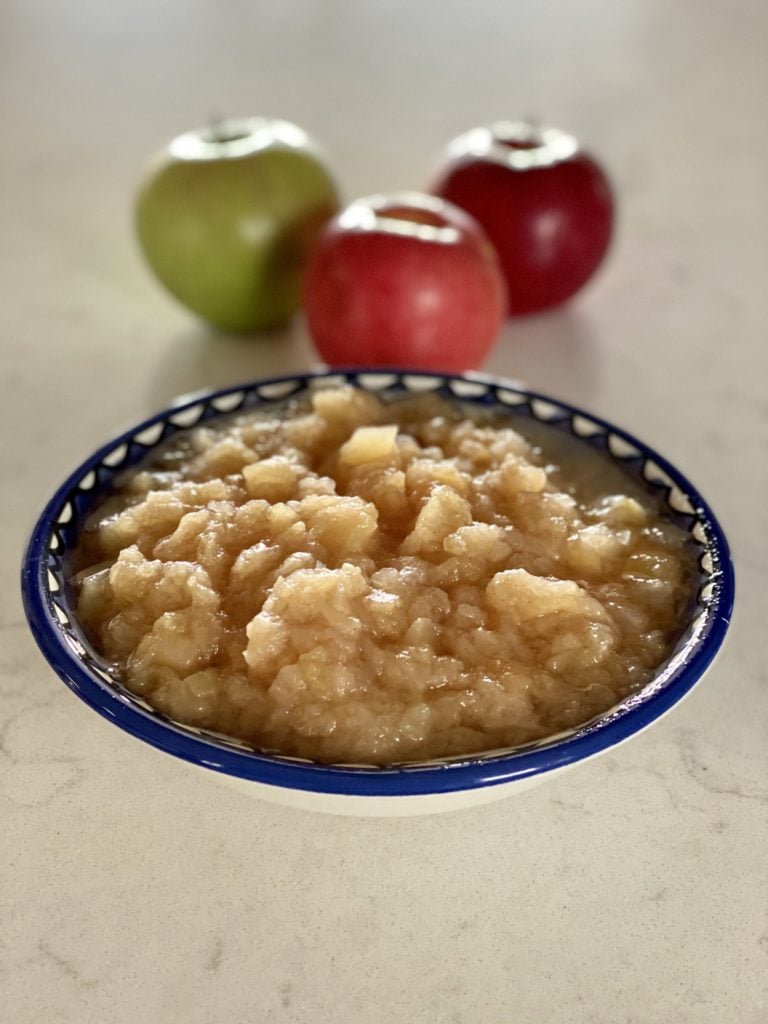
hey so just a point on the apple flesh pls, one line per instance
(546, 206)
(226, 218)
(404, 280)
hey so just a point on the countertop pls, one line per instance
(633, 889)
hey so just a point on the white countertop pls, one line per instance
(631, 890)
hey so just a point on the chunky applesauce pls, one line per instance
(369, 581)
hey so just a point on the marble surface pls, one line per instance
(632, 890)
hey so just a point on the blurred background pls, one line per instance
(641, 880)
(90, 90)
(668, 97)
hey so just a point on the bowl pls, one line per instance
(412, 788)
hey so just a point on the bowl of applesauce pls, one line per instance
(378, 592)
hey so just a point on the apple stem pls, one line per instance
(217, 130)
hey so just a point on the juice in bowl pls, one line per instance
(379, 591)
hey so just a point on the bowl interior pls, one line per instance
(49, 596)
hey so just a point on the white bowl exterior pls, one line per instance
(380, 806)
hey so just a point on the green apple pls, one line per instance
(227, 216)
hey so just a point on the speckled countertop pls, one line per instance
(631, 890)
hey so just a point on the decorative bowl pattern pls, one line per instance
(343, 788)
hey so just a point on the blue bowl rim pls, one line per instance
(406, 780)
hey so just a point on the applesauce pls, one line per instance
(349, 579)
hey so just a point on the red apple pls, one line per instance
(404, 280)
(544, 203)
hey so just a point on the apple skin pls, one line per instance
(404, 280)
(546, 206)
(226, 218)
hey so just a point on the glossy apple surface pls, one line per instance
(546, 206)
(404, 280)
(226, 218)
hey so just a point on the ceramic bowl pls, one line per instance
(412, 788)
